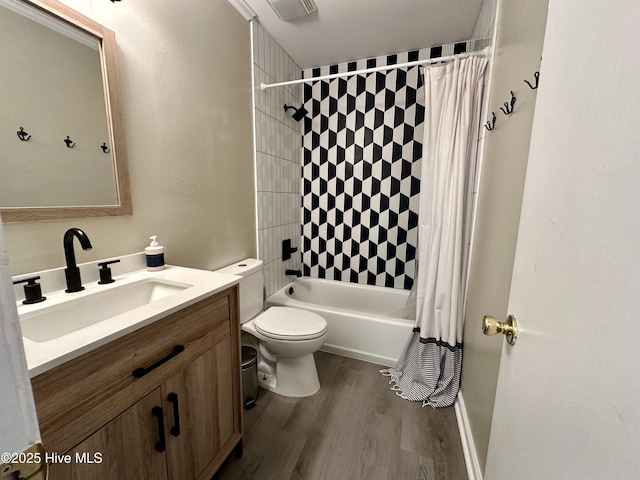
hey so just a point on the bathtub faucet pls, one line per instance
(297, 273)
(287, 249)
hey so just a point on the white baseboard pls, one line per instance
(468, 447)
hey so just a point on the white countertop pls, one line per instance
(44, 355)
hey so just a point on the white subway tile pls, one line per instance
(275, 244)
(267, 280)
(267, 53)
(266, 170)
(272, 57)
(261, 211)
(261, 245)
(270, 243)
(259, 172)
(255, 45)
(273, 281)
(263, 47)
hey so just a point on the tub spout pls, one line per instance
(297, 273)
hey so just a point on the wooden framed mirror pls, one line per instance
(61, 121)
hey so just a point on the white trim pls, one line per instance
(481, 53)
(474, 471)
(243, 9)
(252, 26)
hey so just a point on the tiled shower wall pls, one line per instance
(362, 151)
(278, 152)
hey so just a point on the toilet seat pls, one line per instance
(286, 323)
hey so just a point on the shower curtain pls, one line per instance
(429, 368)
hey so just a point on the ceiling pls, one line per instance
(345, 30)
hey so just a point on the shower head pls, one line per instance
(299, 114)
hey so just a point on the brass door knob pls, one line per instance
(491, 326)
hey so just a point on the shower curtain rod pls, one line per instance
(484, 52)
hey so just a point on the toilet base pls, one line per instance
(295, 377)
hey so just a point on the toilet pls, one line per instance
(286, 337)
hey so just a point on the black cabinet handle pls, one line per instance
(175, 430)
(142, 371)
(161, 444)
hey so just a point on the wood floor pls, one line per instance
(354, 428)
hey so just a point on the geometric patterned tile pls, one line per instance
(362, 149)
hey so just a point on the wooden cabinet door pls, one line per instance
(124, 448)
(200, 397)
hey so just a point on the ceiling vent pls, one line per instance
(292, 9)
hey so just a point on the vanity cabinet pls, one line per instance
(163, 402)
(125, 447)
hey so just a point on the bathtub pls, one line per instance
(357, 316)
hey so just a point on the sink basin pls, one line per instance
(69, 316)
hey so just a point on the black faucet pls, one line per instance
(287, 249)
(297, 273)
(72, 272)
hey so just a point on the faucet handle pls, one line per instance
(287, 249)
(32, 290)
(105, 272)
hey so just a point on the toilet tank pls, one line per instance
(251, 286)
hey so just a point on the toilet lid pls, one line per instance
(290, 323)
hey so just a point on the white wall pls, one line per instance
(485, 22)
(186, 92)
(278, 156)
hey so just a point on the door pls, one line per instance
(132, 445)
(18, 421)
(199, 411)
(568, 396)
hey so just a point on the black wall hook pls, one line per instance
(104, 148)
(491, 124)
(508, 106)
(537, 77)
(69, 142)
(22, 135)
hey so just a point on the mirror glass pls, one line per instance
(62, 154)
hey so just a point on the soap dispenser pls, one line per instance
(155, 255)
